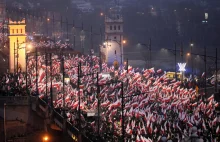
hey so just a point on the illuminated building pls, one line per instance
(113, 36)
(17, 39)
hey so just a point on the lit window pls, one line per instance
(17, 30)
(13, 31)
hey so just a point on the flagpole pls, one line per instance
(5, 121)
(79, 113)
(17, 54)
(14, 58)
(216, 68)
(175, 61)
(36, 71)
(98, 95)
(205, 71)
(46, 74)
(122, 105)
(26, 72)
(51, 82)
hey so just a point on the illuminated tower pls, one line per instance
(17, 38)
(113, 36)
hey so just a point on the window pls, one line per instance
(21, 31)
(17, 30)
(114, 27)
(13, 31)
(119, 28)
(110, 27)
(115, 37)
(118, 16)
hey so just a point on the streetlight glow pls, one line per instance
(124, 41)
(191, 44)
(29, 46)
(45, 138)
(48, 19)
(188, 54)
(101, 14)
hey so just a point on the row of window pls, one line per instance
(115, 27)
(17, 31)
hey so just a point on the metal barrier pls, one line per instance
(74, 132)
(58, 119)
(42, 104)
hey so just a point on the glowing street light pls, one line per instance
(45, 138)
(188, 54)
(101, 14)
(124, 42)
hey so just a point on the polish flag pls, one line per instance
(217, 130)
(138, 139)
(203, 74)
(203, 125)
(190, 124)
(159, 71)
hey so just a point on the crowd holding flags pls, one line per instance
(155, 106)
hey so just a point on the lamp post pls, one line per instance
(216, 70)
(82, 38)
(191, 47)
(14, 58)
(36, 59)
(51, 82)
(26, 74)
(148, 46)
(17, 51)
(215, 59)
(174, 52)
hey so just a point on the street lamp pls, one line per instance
(45, 138)
(174, 52)
(82, 38)
(149, 48)
(191, 47)
(120, 43)
(25, 47)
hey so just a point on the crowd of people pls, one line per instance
(155, 108)
(13, 84)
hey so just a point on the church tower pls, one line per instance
(113, 36)
(17, 51)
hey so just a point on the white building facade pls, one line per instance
(113, 37)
